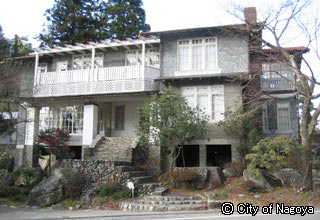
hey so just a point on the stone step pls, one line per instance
(136, 173)
(159, 190)
(172, 202)
(127, 168)
(158, 208)
(142, 179)
(170, 198)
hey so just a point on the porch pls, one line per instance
(108, 80)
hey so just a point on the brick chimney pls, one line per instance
(250, 15)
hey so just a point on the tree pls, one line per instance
(20, 46)
(4, 45)
(293, 19)
(126, 19)
(82, 21)
(166, 119)
(75, 21)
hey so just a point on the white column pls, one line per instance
(36, 74)
(90, 124)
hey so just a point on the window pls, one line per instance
(197, 54)
(276, 71)
(119, 117)
(265, 124)
(42, 68)
(210, 99)
(152, 57)
(218, 155)
(84, 61)
(283, 116)
(62, 66)
(69, 118)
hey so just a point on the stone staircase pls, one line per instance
(159, 203)
(115, 149)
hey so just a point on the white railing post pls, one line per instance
(36, 80)
(143, 54)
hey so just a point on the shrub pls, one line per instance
(271, 154)
(108, 190)
(178, 178)
(7, 164)
(236, 168)
(251, 186)
(73, 184)
(29, 176)
(122, 194)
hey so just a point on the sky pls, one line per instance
(26, 17)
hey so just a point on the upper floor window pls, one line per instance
(276, 70)
(210, 99)
(152, 57)
(42, 68)
(197, 54)
(84, 61)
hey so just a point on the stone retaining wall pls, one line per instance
(97, 172)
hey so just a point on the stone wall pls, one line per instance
(97, 172)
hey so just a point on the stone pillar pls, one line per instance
(90, 127)
(21, 134)
(32, 129)
(202, 155)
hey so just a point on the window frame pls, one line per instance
(203, 66)
(280, 124)
(214, 112)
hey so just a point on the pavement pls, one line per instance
(27, 213)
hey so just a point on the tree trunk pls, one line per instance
(307, 181)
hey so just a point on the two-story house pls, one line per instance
(95, 89)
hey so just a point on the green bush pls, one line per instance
(122, 194)
(108, 190)
(273, 154)
(73, 184)
(30, 175)
(7, 164)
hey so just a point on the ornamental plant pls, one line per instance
(56, 140)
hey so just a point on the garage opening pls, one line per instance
(191, 156)
(217, 155)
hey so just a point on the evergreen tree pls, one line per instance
(4, 45)
(20, 46)
(75, 21)
(126, 18)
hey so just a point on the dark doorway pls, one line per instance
(217, 155)
(75, 152)
(191, 156)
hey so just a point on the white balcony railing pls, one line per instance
(97, 81)
(277, 85)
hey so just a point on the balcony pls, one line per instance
(277, 84)
(109, 80)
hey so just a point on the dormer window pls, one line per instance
(197, 54)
